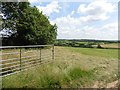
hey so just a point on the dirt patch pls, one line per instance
(114, 84)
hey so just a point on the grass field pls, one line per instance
(107, 53)
(72, 67)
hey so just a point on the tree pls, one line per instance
(28, 25)
(99, 46)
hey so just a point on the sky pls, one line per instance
(80, 19)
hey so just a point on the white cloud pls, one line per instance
(96, 10)
(67, 23)
(93, 18)
(111, 26)
(34, 1)
(97, 7)
(108, 31)
(50, 8)
(72, 12)
(73, 28)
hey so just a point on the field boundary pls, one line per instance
(24, 61)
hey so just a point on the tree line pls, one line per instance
(23, 24)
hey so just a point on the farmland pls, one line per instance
(113, 45)
(73, 67)
(88, 43)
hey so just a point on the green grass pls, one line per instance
(76, 73)
(46, 76)
(107, 53)
(72, 68)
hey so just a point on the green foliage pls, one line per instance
(48, 81)
(76, 73)
(73, 43)
(28, 24)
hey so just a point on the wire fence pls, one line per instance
(19, 58)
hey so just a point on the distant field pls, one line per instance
(107, 53)
(72, 67)
(113, 45)
(89, 44)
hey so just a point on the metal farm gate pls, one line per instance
(18, 58)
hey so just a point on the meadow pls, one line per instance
(73, 67)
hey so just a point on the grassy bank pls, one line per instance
(72, 67)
